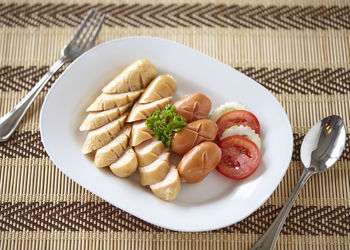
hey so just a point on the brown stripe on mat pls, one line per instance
(277, 80)
(180, 15)
(27, 144)
(73, 216)
(303, 81)
(102, 216)
(23, 144)
(24, 78)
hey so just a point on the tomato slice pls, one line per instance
(237, 117)
(240, 157)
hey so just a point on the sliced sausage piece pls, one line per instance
(109, 101)
(149, 151)
(113, 150)
(126, 165)
(99, 137)
(136, 76)
(156, 171)
(97, 119)
(140, 133)
(162, 86)
(143, 111)
(169, 187)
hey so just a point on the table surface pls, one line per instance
(298, 50)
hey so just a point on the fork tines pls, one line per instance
(89, 29)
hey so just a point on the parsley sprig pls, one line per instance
(164, 123)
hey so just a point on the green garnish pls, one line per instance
(164, 123)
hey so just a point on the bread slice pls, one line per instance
(140, 133)
(169, 187)
(97, 119)
(126, 165)
(156, 171)
(113, 150)
(143, 111)
(136, 76)
(162, 86)
(149, 151)
(99, 137)
(109, 101)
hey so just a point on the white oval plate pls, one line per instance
(214, 203)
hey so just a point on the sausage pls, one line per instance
(197, 163)
(162, 86)
(143, 111)
(193, 107)
(169, 187)
(193, 134)
(134, 77)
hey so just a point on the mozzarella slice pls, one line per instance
(224, 108)
(243, 131)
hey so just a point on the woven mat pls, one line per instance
(299, 50)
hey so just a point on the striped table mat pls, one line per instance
(299, 50)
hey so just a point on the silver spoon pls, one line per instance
(321, 148)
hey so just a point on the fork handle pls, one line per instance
(10, 121)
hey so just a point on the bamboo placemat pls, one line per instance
(299, 50)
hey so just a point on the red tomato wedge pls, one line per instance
(237, 117)
(240, 157)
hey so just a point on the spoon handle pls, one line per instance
(269, 239)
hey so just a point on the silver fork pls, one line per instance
(83, 39)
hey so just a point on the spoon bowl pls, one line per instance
(323, 144)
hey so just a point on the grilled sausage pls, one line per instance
(193, 134)
(193, 107)
(197, 163)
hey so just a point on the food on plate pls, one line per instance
(149, 151)
(143, 111)
(169, 187)
(197, 163)
(109, 101)
(240, 157)
(99, 137)
(132, 125)
(193, 134)
(237, 117)
(225, 108)
(140, 133)
(126, 165)
(136, 76)
(243, 131)
(113, 150)
(164, 123)
(97, 119)
(156, 171)
(193, 107)
(162, 86)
